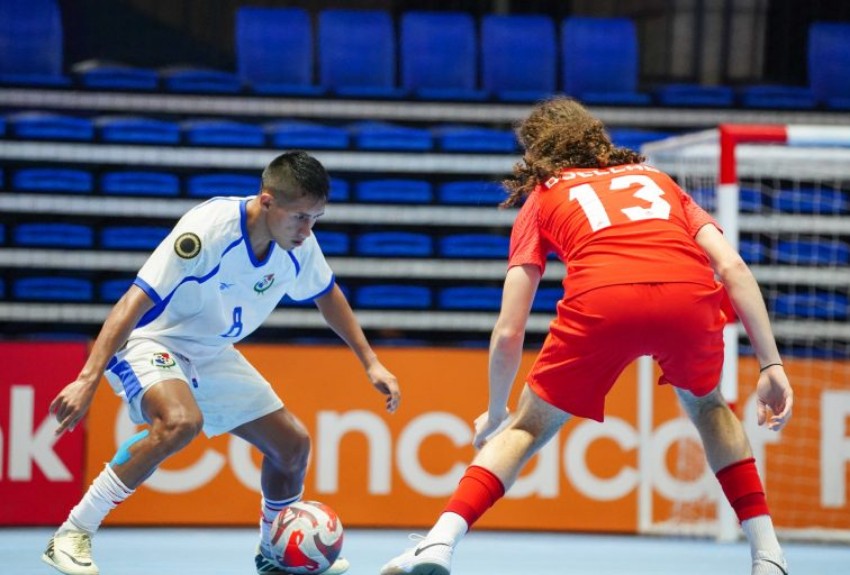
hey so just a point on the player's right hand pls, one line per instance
(71, 404)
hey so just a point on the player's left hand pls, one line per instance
(386, 383)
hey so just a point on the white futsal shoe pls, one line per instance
(70, 553)
(765, 564)
(427, 558)
(266, 566)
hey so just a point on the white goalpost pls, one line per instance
(782, 195)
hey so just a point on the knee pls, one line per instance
(291, 453)
(176, 429)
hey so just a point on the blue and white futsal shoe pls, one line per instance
(266, 566)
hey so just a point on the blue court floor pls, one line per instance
(157, 551)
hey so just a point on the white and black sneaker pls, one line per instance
(70, 553)
(765, 564)
(427, 558)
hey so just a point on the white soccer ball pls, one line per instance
(306, 537)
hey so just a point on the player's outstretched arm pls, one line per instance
(72, 403)
(775, 396)
(506, 347)
(340, 317)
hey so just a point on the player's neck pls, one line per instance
(258, 236)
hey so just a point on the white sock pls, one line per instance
(104, 495)
(450, 527)
(761, 536)
(269, 510)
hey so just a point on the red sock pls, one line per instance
(476, 492)
(742, 486)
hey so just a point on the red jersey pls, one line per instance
(617, 225)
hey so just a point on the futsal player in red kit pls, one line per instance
(647, 269)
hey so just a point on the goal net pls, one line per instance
(781, 195)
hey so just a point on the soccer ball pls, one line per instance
(306, 537)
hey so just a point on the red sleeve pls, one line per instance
(527, 246)
(694, 214)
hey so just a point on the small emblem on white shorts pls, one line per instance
(162, 359)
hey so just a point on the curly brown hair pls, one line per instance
(559, 134)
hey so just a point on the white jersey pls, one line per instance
(209, 289)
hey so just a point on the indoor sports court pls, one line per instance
(119, 117)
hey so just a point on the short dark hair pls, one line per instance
(294, 175)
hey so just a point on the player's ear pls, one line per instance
(266, 199)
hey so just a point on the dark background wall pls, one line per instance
(704, 41)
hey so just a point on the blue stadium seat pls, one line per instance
(66, 180)
(519, 56)
(339, 191)
(753, 251)
(397, 244)
(188, 79)
(140, 184)
(811, 201)
(459, 138)
(472, 193)
(635, 138)
(394, 191)
(599, 61)
(210, 185)
(53, 235)
(393, 297)
(546, 299)
(812, 252)
(439, 55)
(390, 137)
(777, 97)
(474, 246)
(132, 237)
(750, 200)
(470, 298)
(695, 95)
(31, 50)
(829, 63)
(307, 135)
(820, 305)
(137, 130)
(223, 133)
(49, 126)
(2, 289)
(112, 290)
(274, 50)
(333, 243)
(357, 53)
(53, 288)
(104, 75)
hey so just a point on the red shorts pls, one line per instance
(598, 333)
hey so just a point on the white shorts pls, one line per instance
(228, 390)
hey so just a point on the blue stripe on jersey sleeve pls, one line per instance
(146, 287)
(324, 290)
(157, 310)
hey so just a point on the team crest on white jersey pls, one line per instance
(162, 359)
(264, 284)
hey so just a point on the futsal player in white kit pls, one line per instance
(167, 348)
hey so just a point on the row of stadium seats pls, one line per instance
(815, 305)
(71, 180)
(283, 134)
(445, 55)
(800, 251)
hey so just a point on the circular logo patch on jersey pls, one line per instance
(187, 246)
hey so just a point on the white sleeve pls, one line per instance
(314, 276)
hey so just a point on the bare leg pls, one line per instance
(534, 424)
(722, 434)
